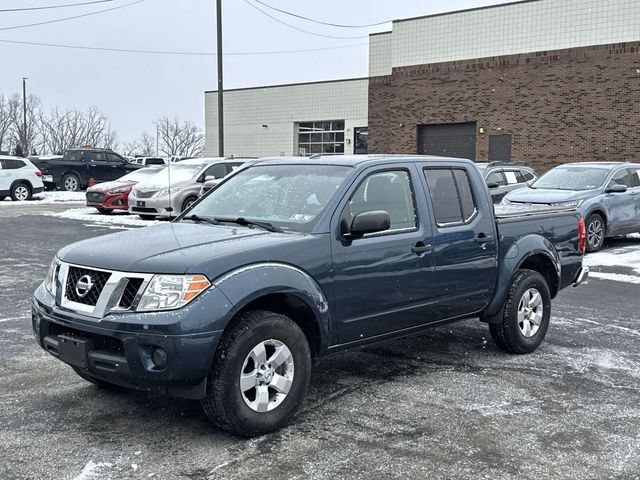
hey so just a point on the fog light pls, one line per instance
(159, 358)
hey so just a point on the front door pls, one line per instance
(98, 167)
(382, 281)
(464, 241)
(622, 206)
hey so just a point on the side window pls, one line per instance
(451, 196)
(497, 178)
(621, 177)
(527, 175)
(511, 177)
(390, 191)
(218, 170)
(113, 158)
(11, 164)
(635, 177)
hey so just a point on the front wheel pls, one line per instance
(526, 314)
(595, 228)
(260, 375)
(188, 202)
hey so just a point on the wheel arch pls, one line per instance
(599, 211)
(21, 181)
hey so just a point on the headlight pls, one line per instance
(168, 292)
(167, 191)
(573, 203)
(50, 282)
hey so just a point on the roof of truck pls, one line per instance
(353, 160)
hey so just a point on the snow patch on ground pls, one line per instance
(615, 257)
(91, 470)
(91, 215)
(48, 198)
(615, 277)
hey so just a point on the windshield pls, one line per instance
(288, 196)
(175, 173)
(572, 178)
(139, 175)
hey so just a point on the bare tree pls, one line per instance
(61, 130)
(27, 136)
(147, 145)
(5, 123)
(179, 137)
(130, 149)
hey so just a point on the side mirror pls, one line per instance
(616, 189)
(492, 185)
(369, 222)
(208, 178)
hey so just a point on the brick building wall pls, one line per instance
(560, 106)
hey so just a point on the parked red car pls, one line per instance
(109, 196)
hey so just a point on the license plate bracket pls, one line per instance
(73, 349)
(140, 203)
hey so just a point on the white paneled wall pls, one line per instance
(262, 120)
(523, 27)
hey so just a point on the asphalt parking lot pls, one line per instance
(443, 405)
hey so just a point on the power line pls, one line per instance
(340, 25)
(300, 29)
(15, 27)
(169, 52)
(50, 7)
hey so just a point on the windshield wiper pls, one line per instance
(250, 223)
(199, 219)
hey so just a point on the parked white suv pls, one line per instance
(19, 178)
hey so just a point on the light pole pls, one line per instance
(24, 116)
(220, 83)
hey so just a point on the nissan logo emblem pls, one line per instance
(84, 286)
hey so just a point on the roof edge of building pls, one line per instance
(473, 9)
(260, 87)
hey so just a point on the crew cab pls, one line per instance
(290, 259)
(83, 167)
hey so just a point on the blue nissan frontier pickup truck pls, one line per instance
(290, 259)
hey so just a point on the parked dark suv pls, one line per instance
(505, 177)
(82, 167)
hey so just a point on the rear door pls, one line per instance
(99, 170)
(5, 181)
(622, 206)
(383, 281)
(464, 240)
(635, 181)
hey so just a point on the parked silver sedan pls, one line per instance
(175, 188)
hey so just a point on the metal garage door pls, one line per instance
(449, 140)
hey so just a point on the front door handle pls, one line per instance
(482, 238)
(420, 248)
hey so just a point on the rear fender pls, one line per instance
(251, 282)
(523, 250)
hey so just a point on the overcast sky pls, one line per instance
(135, 89)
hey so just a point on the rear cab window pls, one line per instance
(74, 156)
(452, 197)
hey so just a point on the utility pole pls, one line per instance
(220, 84)
(24, 116)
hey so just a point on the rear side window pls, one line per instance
(390, 191)
(74, 155)
(527, 175)
(11, 164)
(451, 196)
(497, 178)
(512, 177)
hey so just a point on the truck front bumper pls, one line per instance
(177, 365)
(582, 276)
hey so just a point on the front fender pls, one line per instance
(250, 282)
(517, 254)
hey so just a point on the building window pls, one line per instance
(360, 140)
(326, 137)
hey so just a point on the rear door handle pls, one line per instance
(421, 247)
(482, 238)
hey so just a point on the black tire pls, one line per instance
(225, 403)
(20, 192)
(596, 230)
(507, 334)
(187, 202)
(100, 383)
(104, 211)
(70, 183)
(147, 217)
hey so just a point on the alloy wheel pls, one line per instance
(21, 193)
(595, 233)
(71, 184)
(530, 312)
(267, 375)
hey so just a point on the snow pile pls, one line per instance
(92, 216)
(602, 263)
(48, 198)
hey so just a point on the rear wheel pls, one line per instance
(20, 192)
(596, 229)
(260, 375)
(104, 211)
(526, 314)
(70, 182)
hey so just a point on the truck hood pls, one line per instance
(174, 248)
(543, 195)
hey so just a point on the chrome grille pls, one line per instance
(98, 279)
(140, 194)
(96, 197)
